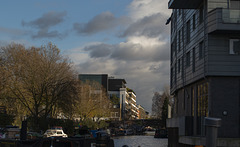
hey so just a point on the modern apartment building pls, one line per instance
(117, 91)
(131, 105)
(123, 99)
(142, 114)
(205, 70)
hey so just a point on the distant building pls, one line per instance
(205, 69)
(131, 105)
(117, 92)
(101, 79)
(142, 113)
(123, 105)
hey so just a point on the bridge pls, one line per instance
(155, 123)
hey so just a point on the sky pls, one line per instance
(126, 39)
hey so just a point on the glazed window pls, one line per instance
(201, 49)
(234, 46)
(188, 59)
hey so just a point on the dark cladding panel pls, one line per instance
(100, 78)
(184, 4)
(116, 84)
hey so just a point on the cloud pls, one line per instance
(142, 59)
(99, 50)
(142, 8)
(45, 22)
(130, 51)
(144, 78)
(150, 26)
(101, 22)
(143, 64)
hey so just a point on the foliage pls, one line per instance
(92, 103)
(93, 124)
(6, 119)
(130, 90)
(44, 124)
(39, 80)
(115, 100)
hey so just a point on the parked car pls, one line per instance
(54, 133)
(33, 135)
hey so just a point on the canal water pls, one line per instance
(140, 141)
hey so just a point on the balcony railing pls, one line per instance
(230, 16)
(222, 20)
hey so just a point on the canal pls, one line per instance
(140, 141)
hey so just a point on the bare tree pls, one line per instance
(160, 103)
(92, 101)
(156, 105)
(38, 78)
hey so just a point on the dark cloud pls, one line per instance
(149, 26)
(44, 23)
(129, 52)
(101, 22)
(100, 50)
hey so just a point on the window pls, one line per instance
(175, 45)
(234, 48)
(179, 40)
(193, 60)
(194, 23)
(201, 12)
(202, 99)
(188, 59)
(179, 12)
(201, 49)
(171, 80)
(175, 73)
(179, 65)
(112, 114)
(183, 35)
(193, 102)
(182, 67)
(188, 31)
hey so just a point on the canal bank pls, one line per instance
(140, 141)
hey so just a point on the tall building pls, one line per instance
(131, 107)
(205, 70)
(117, 91)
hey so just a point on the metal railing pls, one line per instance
(230, 16)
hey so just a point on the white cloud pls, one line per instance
(141, 8)
(142, 59)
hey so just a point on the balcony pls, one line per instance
(224, 20)
(184, 4)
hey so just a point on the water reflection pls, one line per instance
(140, 141)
